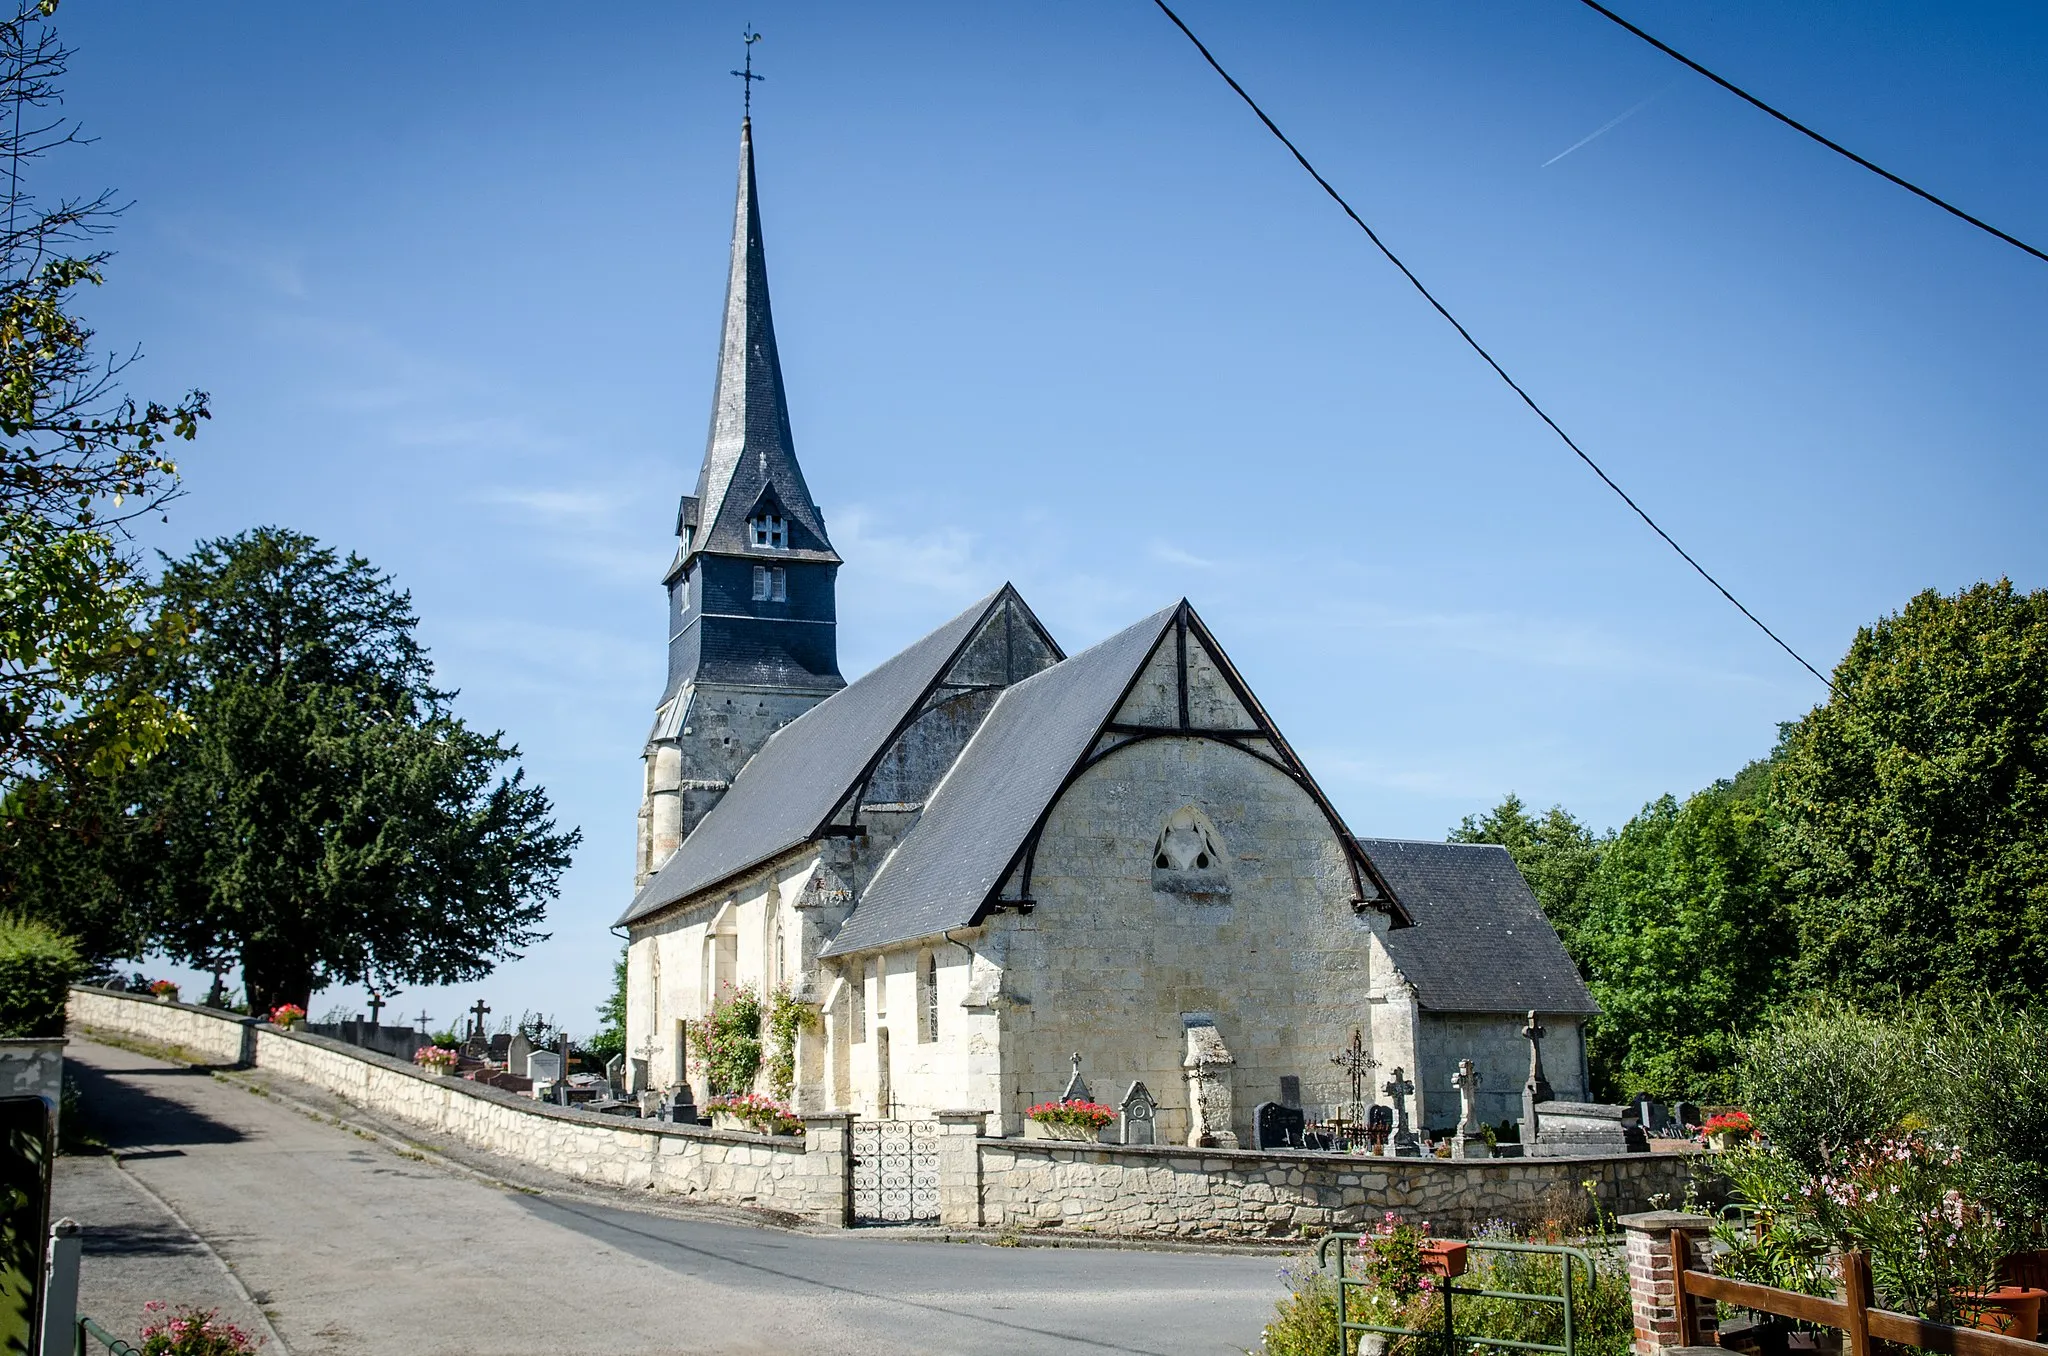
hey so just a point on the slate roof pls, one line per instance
(749, 454)
(1480, 941)
(987, 804)
(787, 792)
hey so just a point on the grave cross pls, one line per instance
(1356, 1062)
(377, 1005)
(479, 1012)
(1534, 1032)
(1399, 1089)
(423, 1020)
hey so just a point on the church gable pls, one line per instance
(1184, 686)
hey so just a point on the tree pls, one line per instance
(79, 461)
(327, 818)
(1915, 803)
(1555, 853)
(1685, 941)
(611, 1014)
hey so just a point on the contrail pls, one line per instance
(1602, 130)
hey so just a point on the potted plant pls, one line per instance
(751, 1111)
(1076, 1119)
(164, 989)
(1726, 1129)
(437, 1059)
(287, 1015)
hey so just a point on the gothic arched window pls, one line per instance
(1188, 857)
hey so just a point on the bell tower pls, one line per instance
(752, 639)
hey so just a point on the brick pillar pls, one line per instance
(960, 1167)
(828, 1163)
(1653, 1292)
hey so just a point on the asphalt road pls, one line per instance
(352, 1249)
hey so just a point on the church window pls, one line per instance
(927, 996)
(1188, 857)
(772, 530)
(857, 1005)
(771, 584)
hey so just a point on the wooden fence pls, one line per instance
(1866, 1329)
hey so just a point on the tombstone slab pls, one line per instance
(1278, 1126)
(517, 1051)
(1566, 1128)
(543, 1066)
(1137, 1116)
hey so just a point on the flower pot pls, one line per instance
(1074, 1134)
(725, 1120)
(166, 998)
(2014, 1310)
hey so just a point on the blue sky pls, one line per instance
(1054, 309)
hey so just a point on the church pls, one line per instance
(988, 858)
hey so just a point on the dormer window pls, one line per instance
(771, 530)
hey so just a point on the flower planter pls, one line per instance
(166, 998)
(1073, 1134)
(2014, 1310)
(1444, 1257)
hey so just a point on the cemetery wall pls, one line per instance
(803, 1176)
(202, 1035)
(1188, 1193)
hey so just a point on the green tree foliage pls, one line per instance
(1915, 803)
(79, 461)
(1818, 1076)
(1685, 942)
(1555, 853)
(327, 818)
(610, 1039)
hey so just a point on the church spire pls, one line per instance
(750, 468)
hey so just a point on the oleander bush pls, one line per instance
(37, 967)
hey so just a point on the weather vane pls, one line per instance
(747, 76)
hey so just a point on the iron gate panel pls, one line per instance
(895, 1171)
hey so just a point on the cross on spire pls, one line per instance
(747, 76)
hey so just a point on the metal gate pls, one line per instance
(895, 1171)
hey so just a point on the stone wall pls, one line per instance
(1188, 1193)
(804, 1176)
(201, 1035)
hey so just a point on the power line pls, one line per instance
(1475, 345)
(1804, 130)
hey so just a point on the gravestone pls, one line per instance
(1537, 1089)
(1290, 1090)
(1650, 1115)
(1567, 1128)
(1135, 1124)
(501, 1047)
(1399, 1088)
(1077, 1088)
(638, 1081)
(615, 1071)
(1275, 1126)
(517, 1051)
(1379, 1123)
(1211, 1101)
(1470, 1140)
(543, 1066)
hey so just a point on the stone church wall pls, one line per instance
(1107, 966)
(1185, 1193)
(1495, 1044)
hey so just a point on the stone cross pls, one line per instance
(1466, 1081)
(376, 1008)
(479, 1012)
(1356, 1062)
(1398, 1088)
(424, 1021)
(1535, 1031)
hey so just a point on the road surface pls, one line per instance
(352, 1247)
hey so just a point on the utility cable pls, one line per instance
(1475, 345)
(1800, 127)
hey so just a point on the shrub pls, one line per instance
(786, 1017)
(728, 1042)
(37, 967)
(1981, 1055)
(1822, 1077)
(192, 1332)
(764, 1114)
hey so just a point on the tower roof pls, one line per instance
(750, 460)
